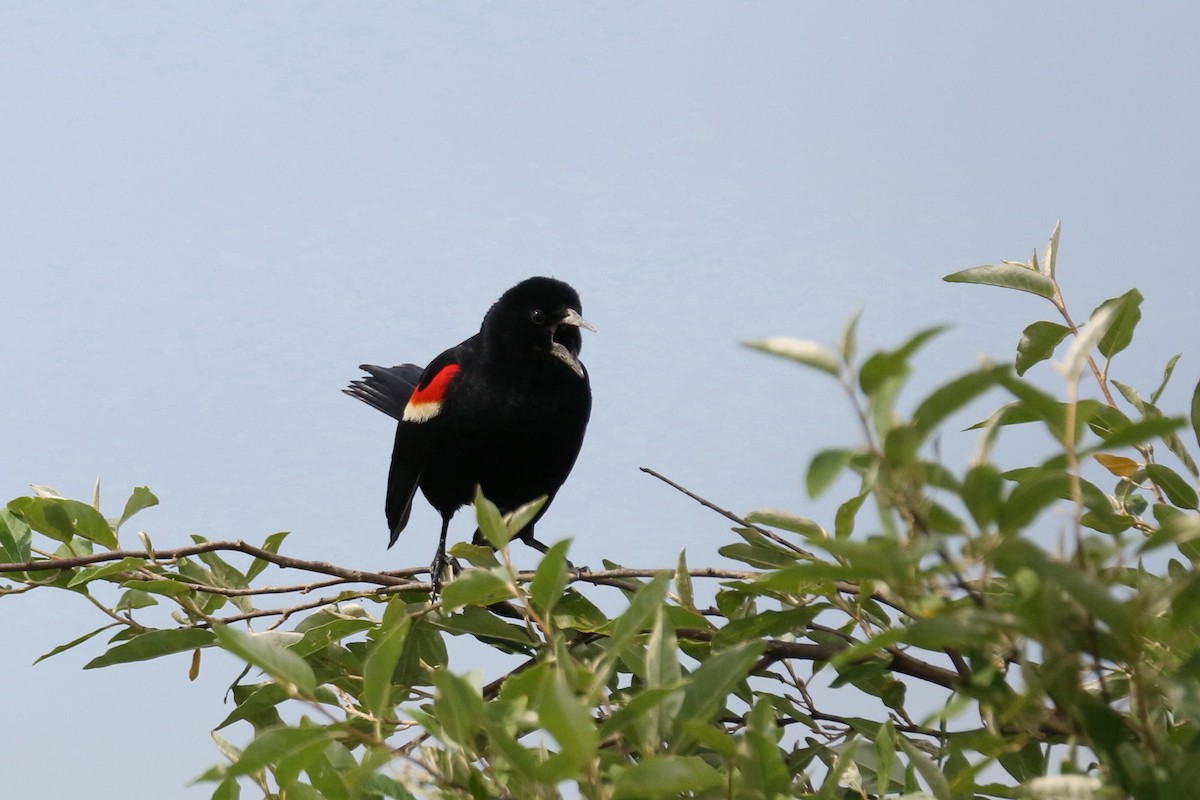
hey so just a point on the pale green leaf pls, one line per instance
(16, 540)
(271, 545)
(63, 519)
(1080, 348)
(490, 522)
(1167, 370)
(475, 587)
(380, 663)
(550, 578)
(928, 770)
(1007, 276)
(153, 644)
(786, 521)
(800, 350)
(516, 521)
(666, 776)
(141, 498)
(1050, 254)
(268, 655)
(101, 570)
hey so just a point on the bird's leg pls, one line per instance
(440, 562)
(528, 538)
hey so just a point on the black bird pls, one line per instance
(505, 410)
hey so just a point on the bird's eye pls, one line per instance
(538, 316)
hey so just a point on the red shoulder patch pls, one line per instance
(426, 401)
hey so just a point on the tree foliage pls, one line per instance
(996, 630)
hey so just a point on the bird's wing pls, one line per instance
(386, 388)
(420, 431)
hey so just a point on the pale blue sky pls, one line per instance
(212, 212)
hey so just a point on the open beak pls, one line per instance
(559, 351)
(573, 318)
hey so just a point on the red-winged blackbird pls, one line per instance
(505, 410)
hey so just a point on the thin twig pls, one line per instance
(730, 515)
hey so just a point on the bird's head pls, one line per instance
(538, 318)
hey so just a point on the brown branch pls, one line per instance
(900, 662)
(236, 545)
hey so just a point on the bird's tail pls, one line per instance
(386, 388)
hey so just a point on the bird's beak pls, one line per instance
(573, 318)
(559, 351)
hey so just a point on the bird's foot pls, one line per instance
(443, 568)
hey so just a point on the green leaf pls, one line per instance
(787, 521)
(490, 522)
(15, 538)
(475, 587)
(1026, 763)
(885, 365)
(482, 624)
(634, 710)
(1171, 440)
(666, 776)
(1080, 349)
(566, 719)
(516, 521)
(714, 679)
(1178, 491)
(843, 520)
(824, 469)
(933, 776)
(100, 570)
(800, 350)
(275, 744)
(272, 658)
(141, 498)
(1007, 276)
(63, 519)
(74, 642)
(760, 556)
(629, 624)
(1195, 412)
(885, 755)
(227, 789)
(550, 579)
(458, 707)
(983, 494)
(950, 397)
(848, 341)
(1126, 315)
(662, 669)
(271, 545)
(382, 658)
(477, 555)
(1141, 431)
(1038, 342)
(1037, 404)
(1050, 254)
(1167, 370)
(153, 644)
(683, 582)
(132, 599)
